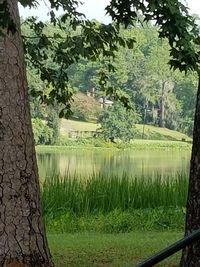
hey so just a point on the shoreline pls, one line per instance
(135, 144)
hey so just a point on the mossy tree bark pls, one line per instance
(191, 254)
(22, 235)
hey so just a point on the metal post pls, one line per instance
(165, 253)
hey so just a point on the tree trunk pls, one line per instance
(22, 236)
(162, 106)
(191, 254)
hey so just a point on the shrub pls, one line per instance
(43, 134)
(117, 122)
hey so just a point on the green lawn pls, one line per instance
(150, 132)
(110, 250)
(71, 125)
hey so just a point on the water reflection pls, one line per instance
(135, 163)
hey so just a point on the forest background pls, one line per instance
(159, 96)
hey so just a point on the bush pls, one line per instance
(43, 134)
(117, 122)
(74, 142)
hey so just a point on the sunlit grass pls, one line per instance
(73, 125)
(153, 132)
(150, 132)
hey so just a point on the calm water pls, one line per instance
(135, 163)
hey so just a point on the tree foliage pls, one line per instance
(85, 107)
(88, 40)
(43, 134)
(91, 40)
(141, 72)
(174, 23)
(117, 123)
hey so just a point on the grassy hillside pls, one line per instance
(157, 133)
(71, 125)
(150, 132)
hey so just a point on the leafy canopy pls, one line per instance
(117, 122)
(173, 21)
(93, 40)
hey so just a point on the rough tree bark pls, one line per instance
(22, 236)
(191, 254)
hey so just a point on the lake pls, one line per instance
(134, 163)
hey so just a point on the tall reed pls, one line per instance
(104, 193)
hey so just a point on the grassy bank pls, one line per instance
(103, 193)
(108, 250)
(117, 221)
(113, 221)
(93, 143)
(114, 204)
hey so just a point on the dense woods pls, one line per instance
(160, 96)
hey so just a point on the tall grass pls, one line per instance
(102, 193)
